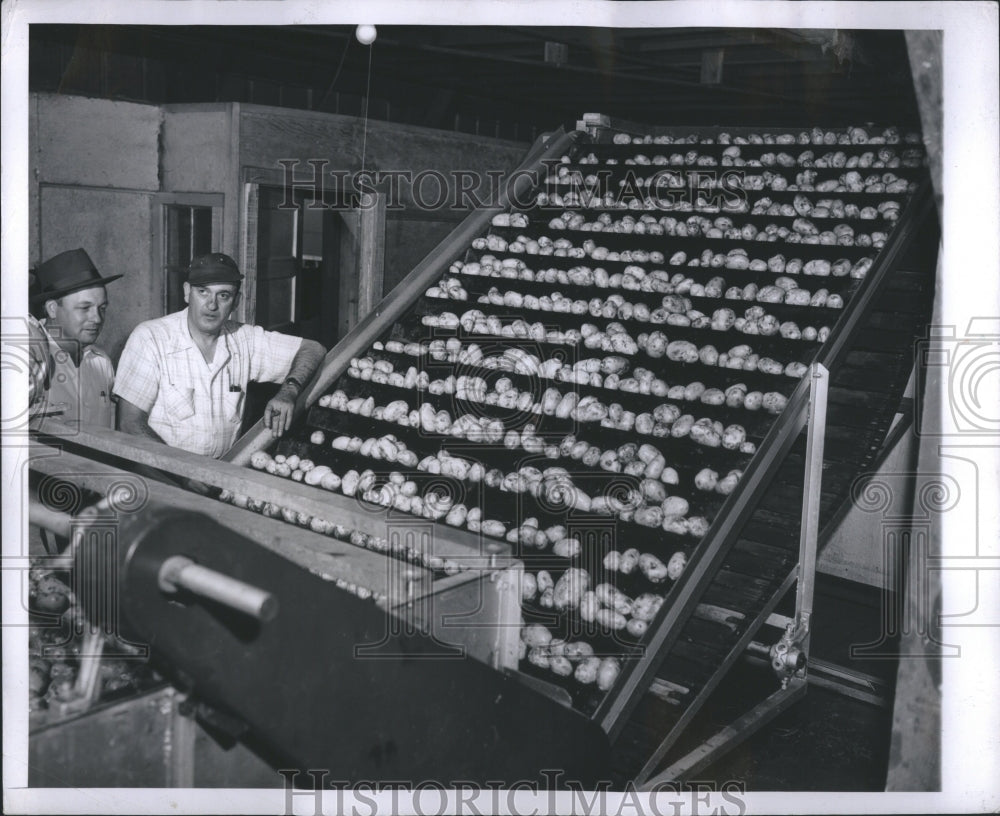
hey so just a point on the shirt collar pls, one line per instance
(92, 349)
(182, 340)
(180, 337)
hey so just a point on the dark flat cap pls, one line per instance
(66, 273)
(213, 268)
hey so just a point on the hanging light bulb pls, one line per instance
(365, 34)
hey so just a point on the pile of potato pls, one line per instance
(815, 136)
(554, 485)
(576, 659)
(608, 372)
(317, 524)
(801, 230)
(54, 646)
(656, 192)
(675, 311)
(635, 277)
(699, 293)
(615, 338)
(736, 258)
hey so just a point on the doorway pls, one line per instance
(298, 277)
(298, 266)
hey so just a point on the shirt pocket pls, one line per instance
(103, 413)
(178, 403)
(233, 404)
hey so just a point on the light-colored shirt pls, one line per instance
(61, 390)
(193, 404)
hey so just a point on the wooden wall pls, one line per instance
(94, 170)
(98, 165)
(268, 135)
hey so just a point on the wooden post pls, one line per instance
(371, 254)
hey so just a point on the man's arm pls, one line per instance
(278, 413)
(133, 420)
(39, 364)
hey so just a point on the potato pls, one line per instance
(819, 266)
(682, 351)
(561, 666)
(636, 627)
(728, 484)
(535, 634)
(587, 669)
(538, 657)
(682, 426)
(609, 619)
(798, 297)
(610, 596)
(314, 476)
(713, 396)
(676, 564)
(607, 673)
(704, 433)
(329, 480)
(649, 516)
(570, 588)
(492, 527)
(706, 479)
(697, 526)
(578, 650)
(675, 506)
(589, 606)
(646, 606)
(769, 366)
(629, 561)
(723, 319)
(260, 459)
(733, 436)
(653, 568)
(567, 548)
(676, 525)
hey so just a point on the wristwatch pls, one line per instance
(295, 382)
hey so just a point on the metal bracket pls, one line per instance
(789, 656)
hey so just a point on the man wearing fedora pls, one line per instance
(70, 379)
(182, 378)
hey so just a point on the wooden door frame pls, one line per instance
(362, 250)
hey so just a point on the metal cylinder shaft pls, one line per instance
(179, 572)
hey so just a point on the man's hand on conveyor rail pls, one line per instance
(280, 410)
(278, 413)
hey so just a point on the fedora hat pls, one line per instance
(65, 273)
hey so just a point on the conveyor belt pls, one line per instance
(737, 570)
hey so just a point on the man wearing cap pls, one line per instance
(182, 378)
(70, 378)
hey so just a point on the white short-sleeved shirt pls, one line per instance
(192, 404)
(74, 395)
